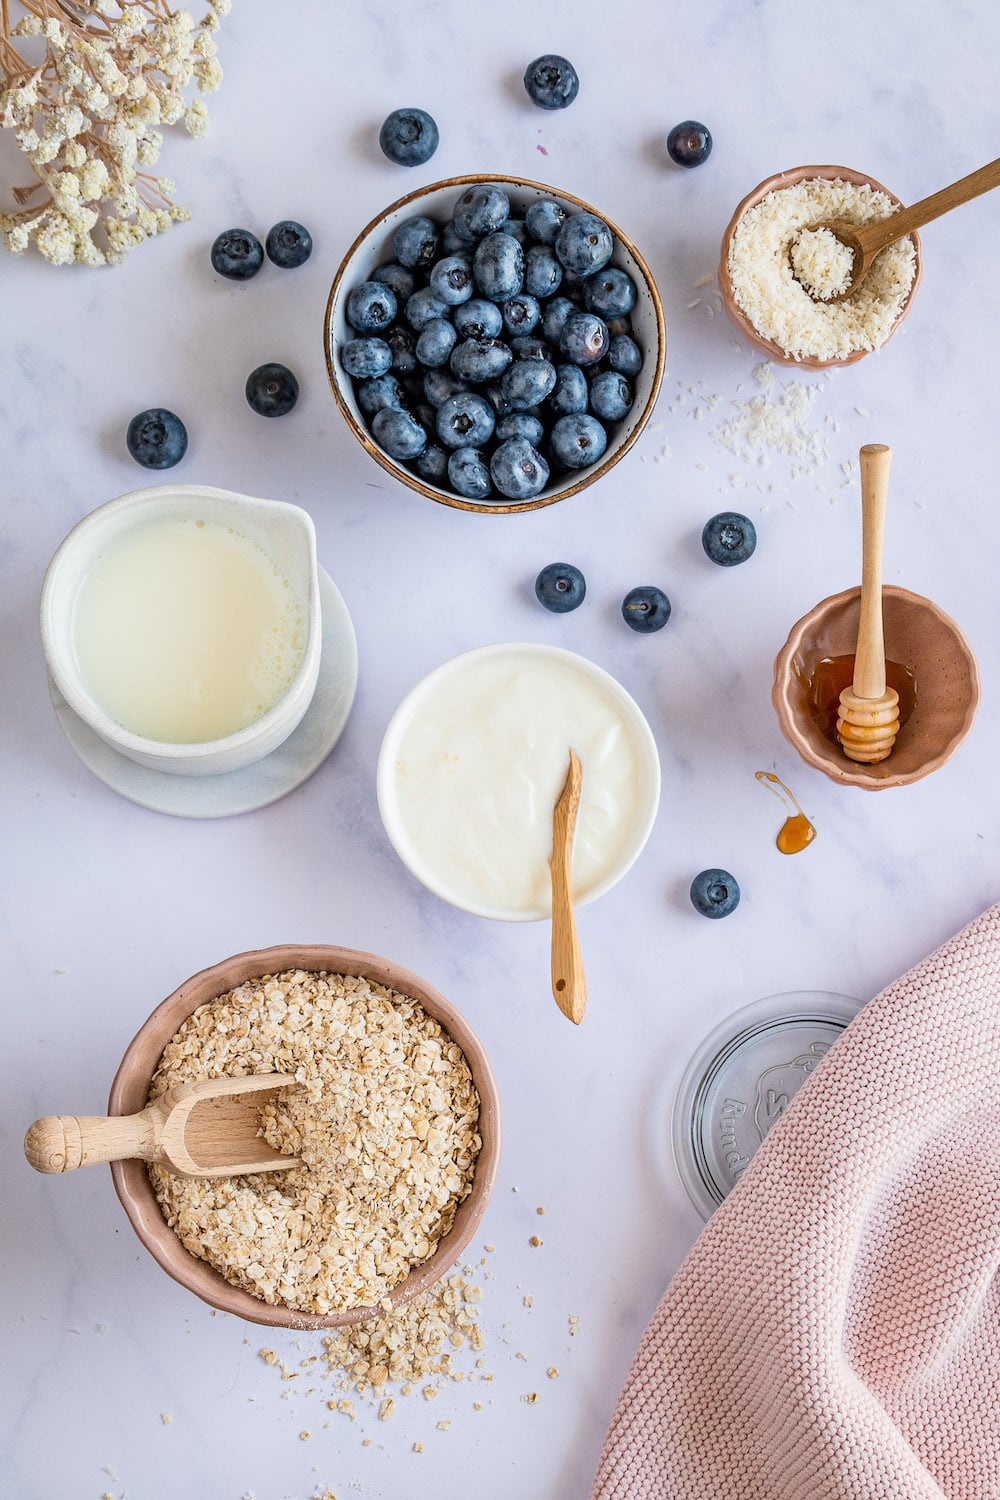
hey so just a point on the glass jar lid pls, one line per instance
(740, 1081)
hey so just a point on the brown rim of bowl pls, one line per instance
(129, 1091)
(412, 480)
(738, 316)
(841, 770)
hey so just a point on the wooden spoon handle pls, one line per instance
(61, 1143)
(905, 220)
(569, 983)
(869, 660)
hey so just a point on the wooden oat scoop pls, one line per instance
(868, 719)
(205, 1129)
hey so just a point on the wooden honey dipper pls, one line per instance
(868, 718)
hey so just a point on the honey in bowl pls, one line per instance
(831, 674)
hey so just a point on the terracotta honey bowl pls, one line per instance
(939, 690)
(130, 1092)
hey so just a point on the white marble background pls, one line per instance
(108, 906)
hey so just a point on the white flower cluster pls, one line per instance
(88, 117)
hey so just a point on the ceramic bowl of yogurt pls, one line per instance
(476, 755)
(182, 623)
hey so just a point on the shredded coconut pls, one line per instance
(780, 308)
(822, 263)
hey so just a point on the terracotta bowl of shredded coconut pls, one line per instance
(772, 309)
(396, 1120)
(936, 715)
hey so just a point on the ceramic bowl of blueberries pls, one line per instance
(494, 343)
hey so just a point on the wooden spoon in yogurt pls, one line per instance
(569, 983)
(206, 1129)
(865, 241)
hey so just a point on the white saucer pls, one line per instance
(255, 786)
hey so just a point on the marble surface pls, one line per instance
(109, 906)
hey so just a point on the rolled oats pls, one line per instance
(385, 1121)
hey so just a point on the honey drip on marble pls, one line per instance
(833, 673)
(796, 832)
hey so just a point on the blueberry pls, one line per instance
(371, 306)
(403, 348)
(237, 254)
(610, 396)
(523, 424)
(479, 211)
(416, 241)
(689, 144)
(451, 279)
(157, 438)
(465, 420)
(584, 244)
(431, 463)
(498, 266)
(288, 245)
(498, 400)
(519, 230)
(551, 81)
(619, 325)
(363, 359)
(560, 587)
(542, 271)
(438, 385)
(521, 314)
(624, 355)
(518, 470)
(577, 440)
(529, 346)
(452, 242)
(610, 292)
(527, 383)
(272, 390)
(544, 219)
(584, 338)
(729, 538)
(557, 310)
(423, 307)
(400, 280)
(646, 609)
(715, 893)
(436, 341)
(408, 137)
(478, 319)
(374, 395)
(469, 475)
(480, 360)
(569, 394)
(400, 434)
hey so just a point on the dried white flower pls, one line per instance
(196, 118)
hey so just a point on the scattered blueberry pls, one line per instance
(577, 440)
(584, 338)
(363, 359)
(272, 390)
(551, 81)
(400, 434)
(416, 241)
(729, 538)
(646, 609)
(469, 475)
(288, 245)
(689, 144)
(481, 210)
(157, 438)
(237, 254)
(610, 396)
(371, 306)
(409, 137)
(518, 470)
(715, 893)
(560, 587)
(584, 244)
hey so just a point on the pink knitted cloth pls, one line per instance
(834, 1334)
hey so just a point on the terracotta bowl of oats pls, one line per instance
(772, 310)
(396, 1120)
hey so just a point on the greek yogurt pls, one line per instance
(475, 757)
